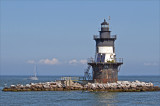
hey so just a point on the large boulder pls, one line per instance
(28, 85)
(59, 85)
(46, 86)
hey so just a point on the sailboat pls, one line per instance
(35, 74)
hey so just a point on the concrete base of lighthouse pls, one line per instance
(105, 72)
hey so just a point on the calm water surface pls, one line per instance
(77, 98)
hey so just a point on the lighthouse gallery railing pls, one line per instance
(116, 60)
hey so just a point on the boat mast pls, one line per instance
(35, 70)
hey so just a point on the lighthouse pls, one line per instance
(105, 65)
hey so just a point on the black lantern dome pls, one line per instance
(104, 23)
(104, 26)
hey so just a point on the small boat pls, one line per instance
(35, 74)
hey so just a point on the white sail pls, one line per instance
(35, 73)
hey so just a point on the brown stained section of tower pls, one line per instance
(105, 73)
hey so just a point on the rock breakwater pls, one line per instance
(119, 86)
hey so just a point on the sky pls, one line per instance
(57, 35)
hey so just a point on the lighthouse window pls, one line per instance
(106, 66)
(100, 57)
(104, 26)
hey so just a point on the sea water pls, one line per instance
(77, 98)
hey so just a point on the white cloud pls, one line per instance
(83, 61)
(31, 62)
(47, 61)
(56, 61)
(151, 64)
(74, 61)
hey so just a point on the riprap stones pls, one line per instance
(119, 86)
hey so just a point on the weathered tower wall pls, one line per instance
(103, 73)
